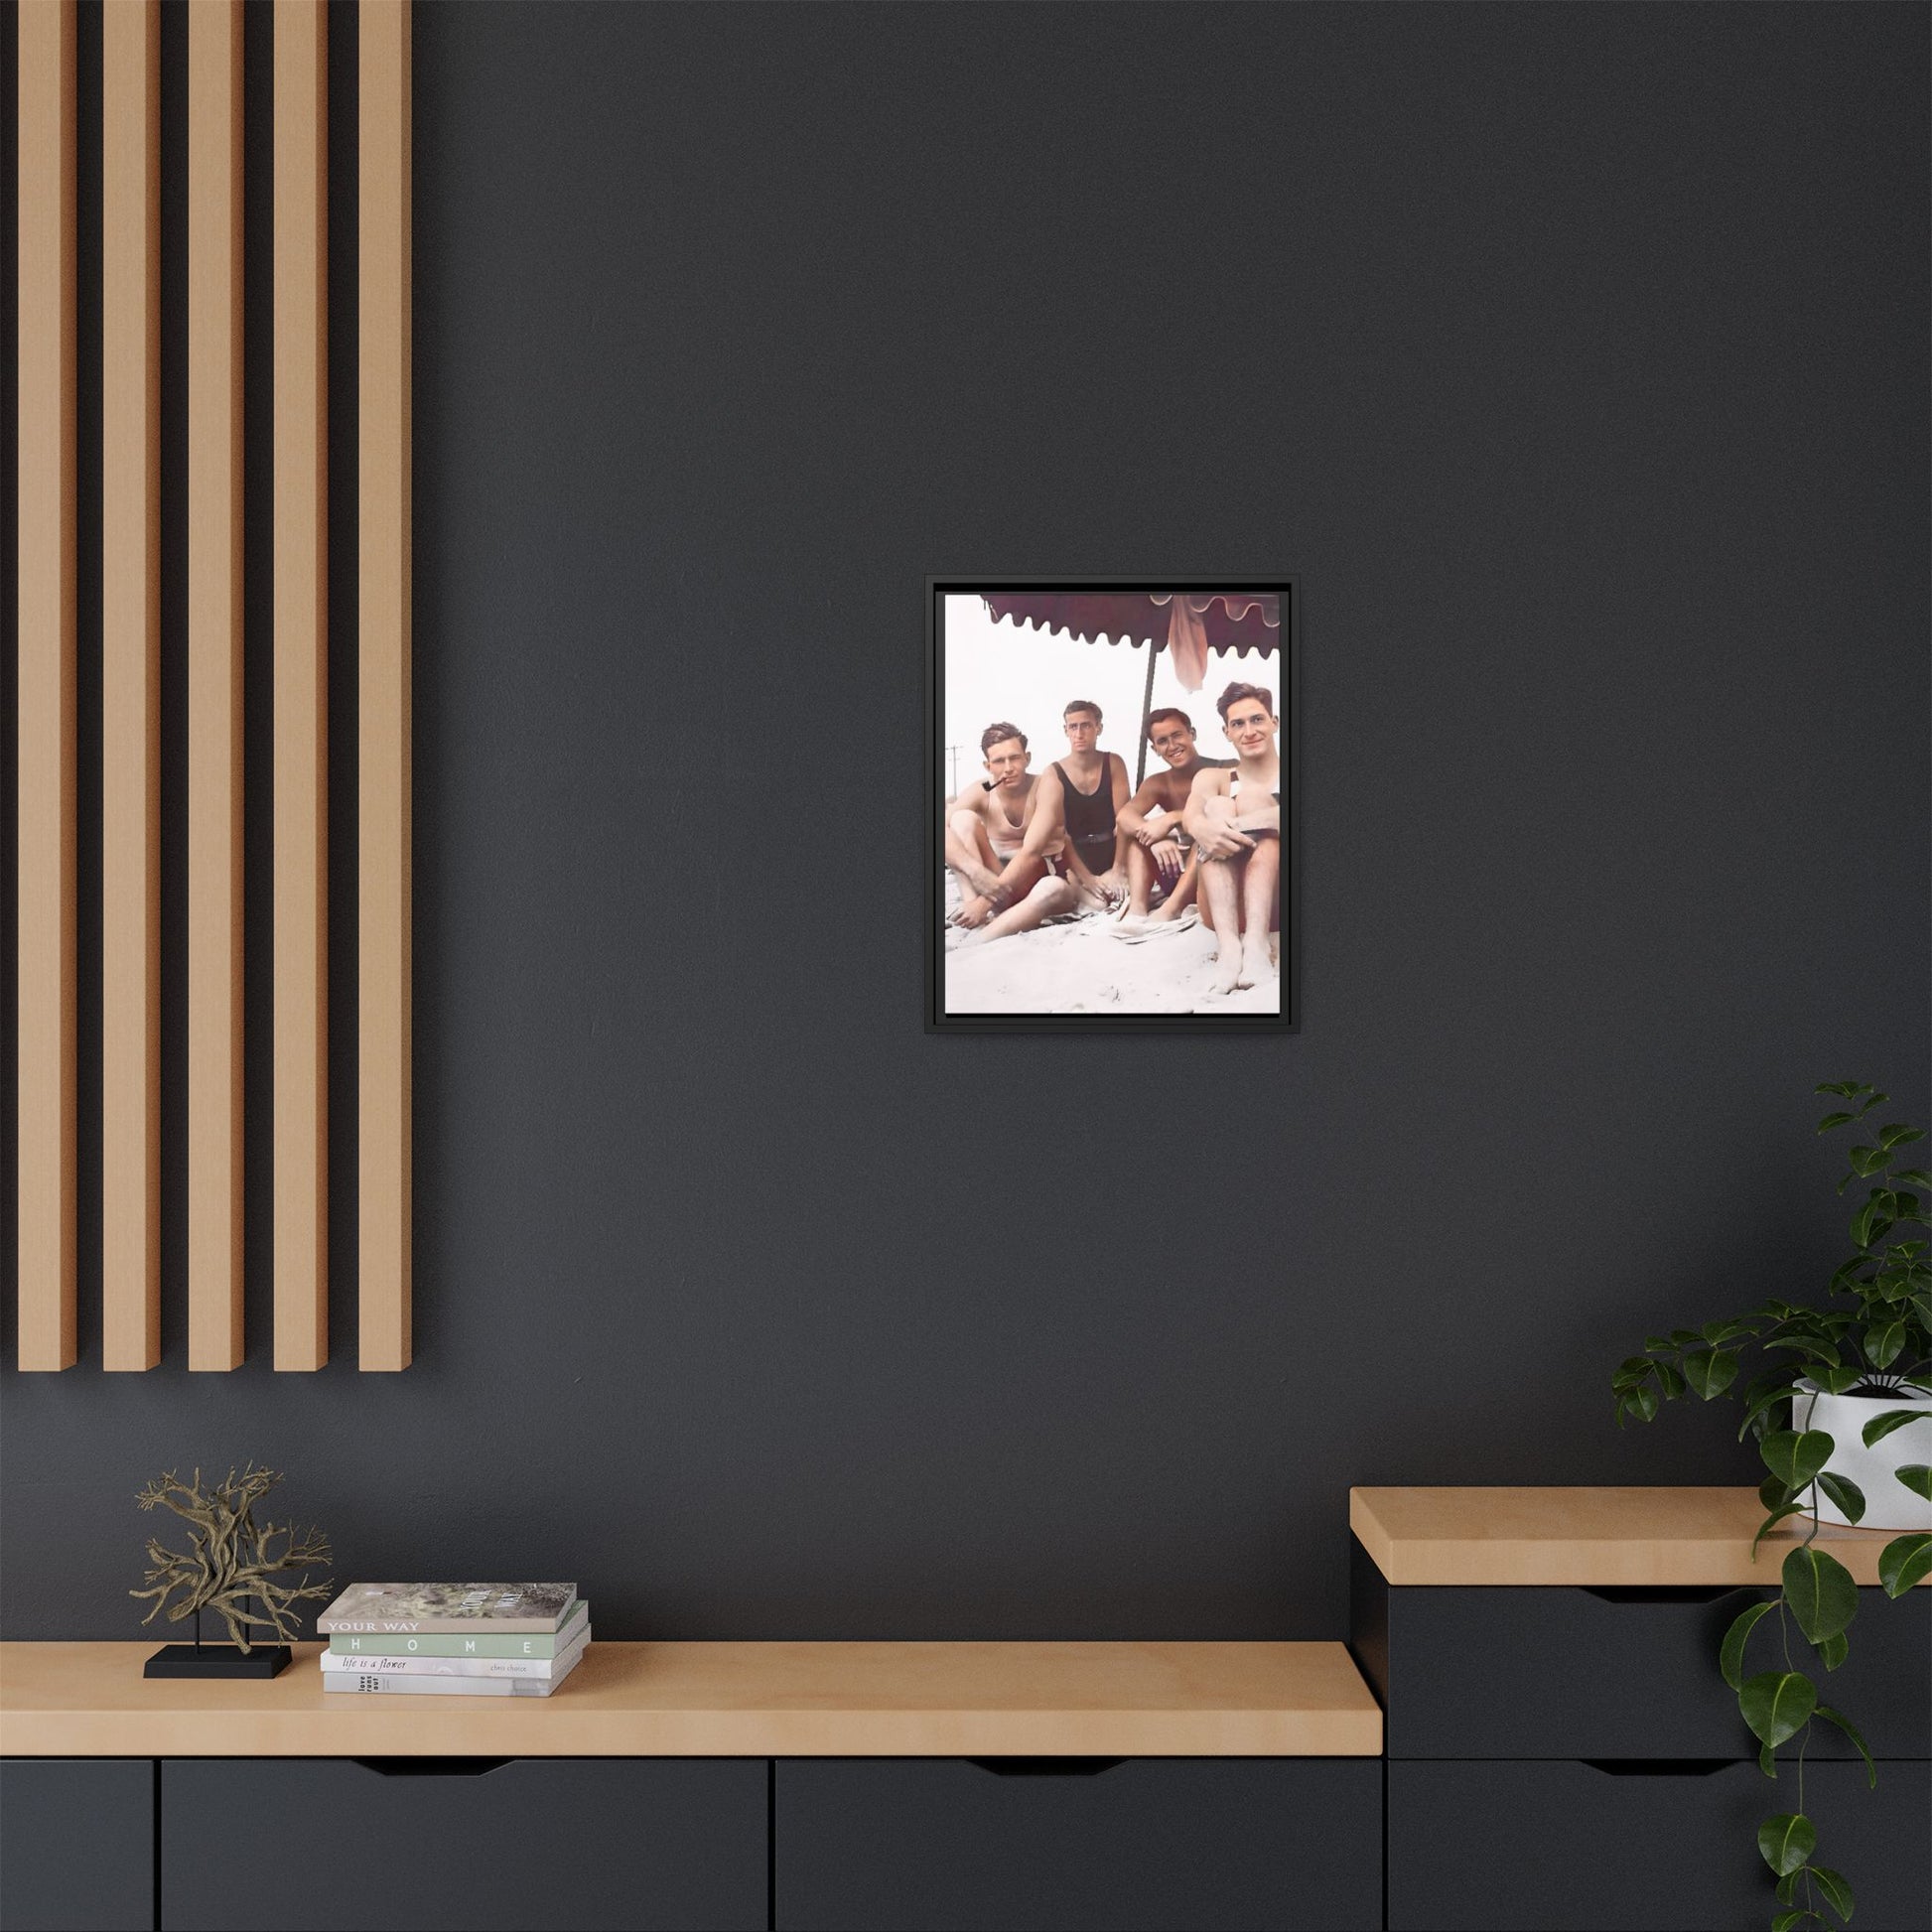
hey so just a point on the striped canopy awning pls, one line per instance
(1187, 624)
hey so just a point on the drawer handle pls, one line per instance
(431, 1767)
(1046, 1767)
(1661, 1593)
(1661, 1767)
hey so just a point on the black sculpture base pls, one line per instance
(218, 1660)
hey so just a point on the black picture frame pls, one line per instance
(1289, 703)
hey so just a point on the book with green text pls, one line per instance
(485, 1643)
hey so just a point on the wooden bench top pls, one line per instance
(1592, 1537)
(726, 1699)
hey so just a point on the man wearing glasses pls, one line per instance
(1160, 852)
(1235, 820)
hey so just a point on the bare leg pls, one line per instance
(1049, 898)
(1220, 895)
(1180, 895)
(970, 853)
(1264, 870)
(1141, 875)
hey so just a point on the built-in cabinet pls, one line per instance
(1568, 1759)
(700, 1844)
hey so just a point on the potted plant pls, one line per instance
(1843, 1416)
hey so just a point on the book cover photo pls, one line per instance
(418, 1610)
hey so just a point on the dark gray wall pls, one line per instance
(1575, 359)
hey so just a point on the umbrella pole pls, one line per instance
(1146, 705)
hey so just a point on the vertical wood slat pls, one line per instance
(131, 684)
(384, 709)
(215, 773)
(301, 686)
(46, 692)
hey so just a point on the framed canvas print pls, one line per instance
(1110, 778)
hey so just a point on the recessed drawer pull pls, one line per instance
(1045, 1767)
(1661, 1767)
(1661, 1593)
(432, 1767)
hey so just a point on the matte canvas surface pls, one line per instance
(1113, 806)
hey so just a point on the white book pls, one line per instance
(542, 1668)
(364, 1683)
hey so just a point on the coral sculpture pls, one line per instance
(229, 1559)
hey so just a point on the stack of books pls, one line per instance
(498, 1640)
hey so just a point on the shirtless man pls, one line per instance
(1235, 820)
(1002, 886)
(1077, 808)
(1158, 851)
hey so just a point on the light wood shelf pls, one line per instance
(726, 1699)
(1597, 1538)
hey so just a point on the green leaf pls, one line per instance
(1820, 1591)
(1914, 1178)
(1847, 1088)
(1917, 1477)
(1787, 1841)
(1835, 1381)
(1773, 1494)
(1883, 1341)
(1851, 1730)
(1833, 1651)
(1767, 1761)
(1877, 1099)
(1868, 1161)
(1790, 1921)
(1777, 1704)
(1710, 1371)
(1898, 1134)
(1796, 1457)
(1845, 1493)
(1880, 1426)
(1903, 1561)
(1672, 1379)
(1838, 1894)
(1830, 1121)
(1730, 1658)
(1641, 1403)
(1872, 1220)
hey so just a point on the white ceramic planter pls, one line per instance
(1888, 1504)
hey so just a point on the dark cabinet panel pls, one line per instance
(472, 1845)
(926, 1846)
(1579, 1672)
(76, 1844)
(1575, 1848)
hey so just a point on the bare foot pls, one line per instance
(1255, 965)
(1228, 965)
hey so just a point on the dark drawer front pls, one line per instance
(79, 1850)
(472, 1845)
(1579, 1672)
(917, 1845)
(1570, 1848)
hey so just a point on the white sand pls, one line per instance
(1084, 966)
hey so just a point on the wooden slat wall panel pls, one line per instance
(131, 684)
(214, 801)
(383, 722)
(46, 701)
(301, 686)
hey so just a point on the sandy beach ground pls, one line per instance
(1087, 965)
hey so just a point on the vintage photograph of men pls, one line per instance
(1111, 836)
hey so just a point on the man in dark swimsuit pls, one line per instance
(1078, 802)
